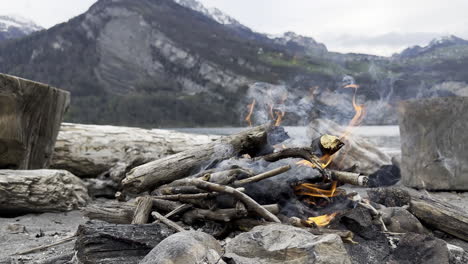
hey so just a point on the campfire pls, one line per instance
(245, 180)
(251, 197)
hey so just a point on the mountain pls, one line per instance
(156, 63)
(168, 63)
(442, 42)
(12, 27)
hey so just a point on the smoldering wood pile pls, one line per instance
(192, 188)
(250, 181)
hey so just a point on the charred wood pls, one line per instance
(249, 202)
(104, 243)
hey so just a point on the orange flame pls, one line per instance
(358, 117)
(249, 115)
(313, 190)
(356, 121)
(322, 220)
(279, 117)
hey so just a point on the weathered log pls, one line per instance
(103, 243)
(90, 150)
(158, 172)
(430, 211)
(30, 117)
(143, 209)
(41, 191)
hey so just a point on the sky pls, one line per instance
(380, 27)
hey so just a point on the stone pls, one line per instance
(417, 248)
(30, 117)
(399, 220)
(357, 152)
(390, 197)
(277, 243)
(434, 143)
(457, 255)
(372, 245)
(190, 247)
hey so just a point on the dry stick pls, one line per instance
(143, 210)
(376, 213)
(249, 202)
(171, 190)
(350, 178)
(178, 210)
(166, 221)
(177, 197)
(46, 246)
(306, 153)
(262, 176)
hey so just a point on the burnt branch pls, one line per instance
(249, 202)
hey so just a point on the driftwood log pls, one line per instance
(41, 191)
(123, 213)
(30, 117)
(90, 150)
(432, 212)
(153, 174)
(103, 243)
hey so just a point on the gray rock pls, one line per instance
(186, 248)
(278, 243)
(399, 220)
(457, 255)
(434, 143)
(417, 248)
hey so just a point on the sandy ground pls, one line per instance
(33, 230)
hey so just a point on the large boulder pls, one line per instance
(188, 247)
(30, 117)
(277, 243)
(434, 143)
